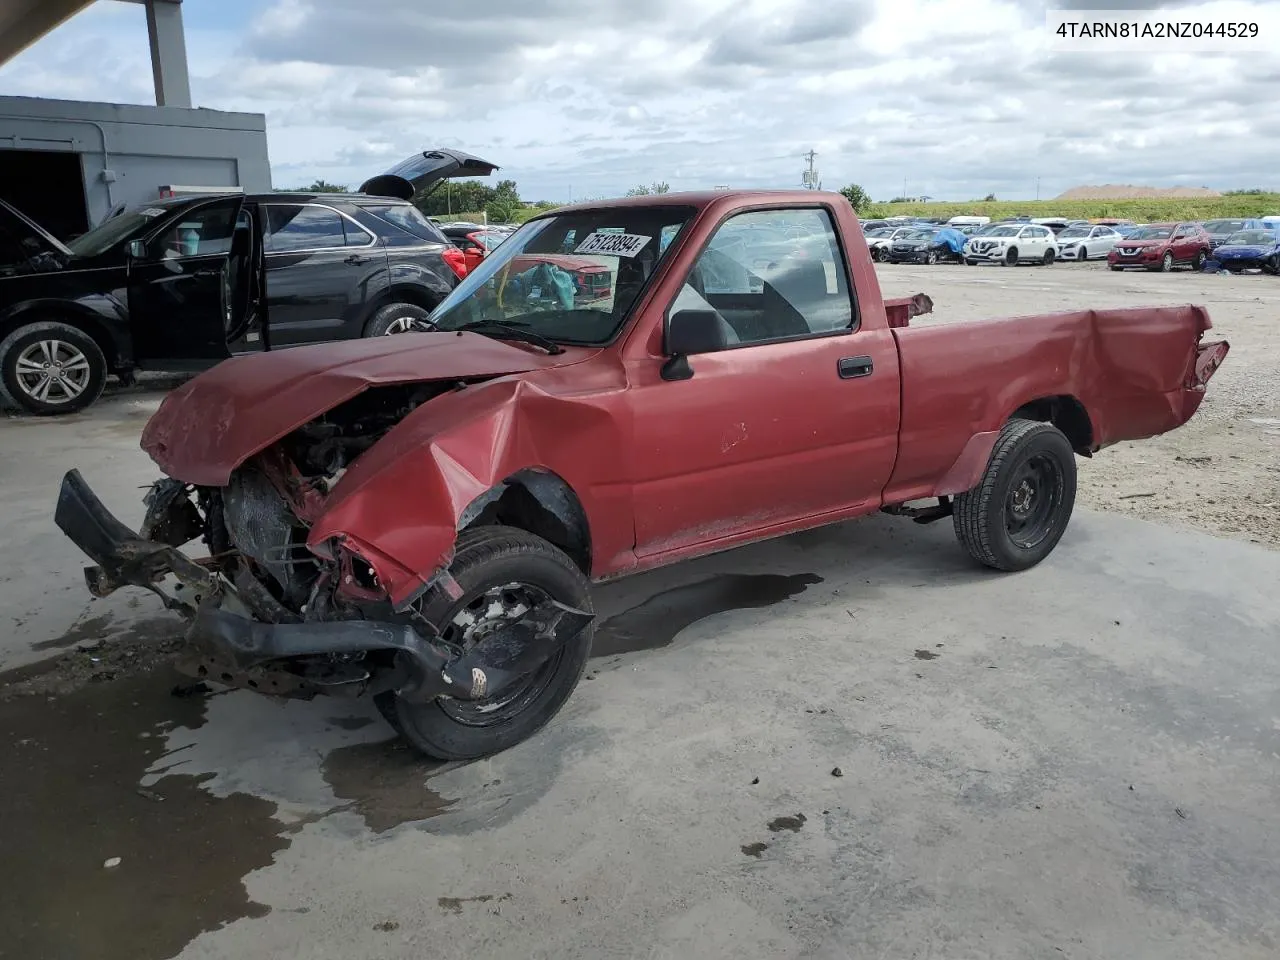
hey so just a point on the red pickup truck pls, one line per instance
(421, 518)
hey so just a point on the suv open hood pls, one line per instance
(14, 220)
(218, 420)
(422, 172)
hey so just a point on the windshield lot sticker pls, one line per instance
(614, 244)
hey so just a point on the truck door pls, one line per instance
(180, 299)
(322, 268)
(797, 417)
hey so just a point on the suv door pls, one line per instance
(1186, 242)
(1028, 244)
(321, 270)
(180, 301)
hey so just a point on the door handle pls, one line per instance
(850, 367)
(354, 259)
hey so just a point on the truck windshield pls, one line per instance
(571, 278)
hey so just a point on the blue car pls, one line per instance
(1250, 250)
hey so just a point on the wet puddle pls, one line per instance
(70, 802)
(656, 622)
(75, 753)
(384, 782)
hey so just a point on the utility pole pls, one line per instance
(904, 188)
(1037, 189)
(810, 176)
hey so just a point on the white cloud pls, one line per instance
(963, 99)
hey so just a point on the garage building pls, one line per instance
(67, 164)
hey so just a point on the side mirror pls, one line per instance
(694, 331)
(690, 331)
(137, 250)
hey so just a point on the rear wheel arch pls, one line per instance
(1066, 413)
(540, 502)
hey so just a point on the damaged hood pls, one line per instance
(216, 421)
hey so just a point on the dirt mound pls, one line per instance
(1124, 191)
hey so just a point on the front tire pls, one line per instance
(49, 368)
(494, 565)
(1083, 255)
(1048, 258)
(1166, 263)
(1011, 257)
(398, 318)
(1017, 514)
(1198, 263)
(931, 258)
(1273, 265)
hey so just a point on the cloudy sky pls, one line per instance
(585, 98)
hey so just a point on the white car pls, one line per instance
(1012, 243)
(1086, 242)
(878, 241)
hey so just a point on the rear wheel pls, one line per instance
(47, 368)
(1015, 517)
(503, 572)
(398, 318)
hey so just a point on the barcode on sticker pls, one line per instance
(614, 244)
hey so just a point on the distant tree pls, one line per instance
(546, 205)
(457, 196)
(645, 191)
(1237, 193)
(857, 197)
(989, 198)
(502, 209)
(903, 200)
(319, 186)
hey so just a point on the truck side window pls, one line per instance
(774, 275)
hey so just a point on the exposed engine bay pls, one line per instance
(286, 620)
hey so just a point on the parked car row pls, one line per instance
(1234, 243)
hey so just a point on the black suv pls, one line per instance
(182, 283)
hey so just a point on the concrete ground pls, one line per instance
(847, 743)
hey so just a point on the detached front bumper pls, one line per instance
(222, 628)
(123, 558)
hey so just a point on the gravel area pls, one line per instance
(1219, 473)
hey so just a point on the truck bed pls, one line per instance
(1125, 374)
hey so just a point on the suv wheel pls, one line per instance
(48, 368)
(398, 318)
(1198, 263)
(1011, 257)
(1166, 262)
(1048, 257)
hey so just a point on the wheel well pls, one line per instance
(72, 318)
(1067, 414)
(540, 502)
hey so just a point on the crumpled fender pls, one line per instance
(399, 503)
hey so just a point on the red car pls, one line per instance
(421, 518)
(1162, 246)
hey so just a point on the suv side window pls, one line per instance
(299, 227)
(205, 231)
(772, 275)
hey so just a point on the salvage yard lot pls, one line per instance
(1076, 761)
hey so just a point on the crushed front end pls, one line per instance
(270, 614)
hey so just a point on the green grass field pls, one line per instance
(1140, 211)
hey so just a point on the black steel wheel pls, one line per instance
(1015, 517)
(503, 572)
